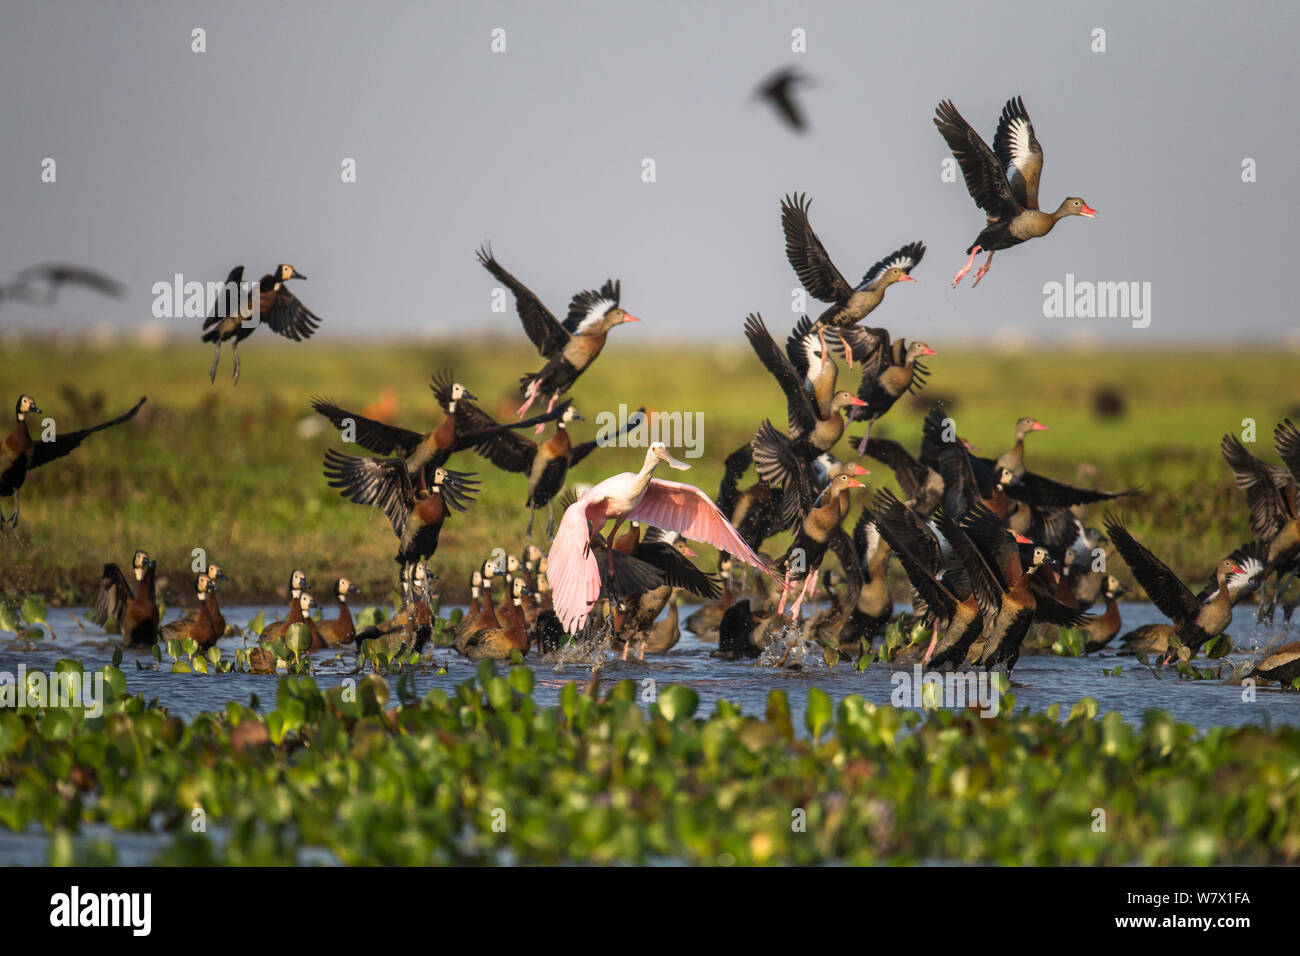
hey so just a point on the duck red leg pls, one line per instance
(934, 639)
(848, 352)
(531, 397)
(975, 250)
(983, 270)
(550, 407)
(862, 445)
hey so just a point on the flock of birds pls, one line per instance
(988, 547)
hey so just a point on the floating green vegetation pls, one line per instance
(483, 774)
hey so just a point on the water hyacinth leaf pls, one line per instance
(258, 623)
(8, 619)
(569, 701)
(521, 679)
(1218, 647)
(199, 663)
(677, 702)
(214, 654)
(499, 693)
(173, 648)
(190, 646)
(181, 667)
(157, 653)
(33, 610)
(35, 634)
(818, 712)
(117, 656)
(298, 637)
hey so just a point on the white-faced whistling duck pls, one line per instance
(818, 275)
(39, 285)
(129, 609)
(1272, 492)
(943, 589)
(115, 593)
(416, 515)
(1006, 589)
(276, 629)
(278, 309)
(568, 347)
(215, 574)
(300, 613)
(496, 643)
(485, 615)
(19, 453)
(196, 627)
(1197, 618)
(463, 426)
(1003, 181)
(414, 622)
(341, 630)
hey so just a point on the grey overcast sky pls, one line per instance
(173, 161)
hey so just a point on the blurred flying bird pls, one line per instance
(778, 89)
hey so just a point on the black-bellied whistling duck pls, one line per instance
(137, 619)
(1015, 458)
(1088, 578)
(1195, 621)
(278, 309)
(569, 348)
(116, 593)
(197, 627)
(778, 89)
(1003, 181)
(417, 516)
(967, 480)
(872, 607)
(815, 420)
(463, 426)
(944, 596)
(496, 643)
(1272, 494)
(888, 373)
(1281, 664)
(341, 629)
(1005, 589)
(803, 558)
(1103, 627)
(19, 454)
(546, 464)
(666, 551)
(813, 265)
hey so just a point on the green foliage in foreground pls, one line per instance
(486, 775)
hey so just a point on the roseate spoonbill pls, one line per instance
(572, 570)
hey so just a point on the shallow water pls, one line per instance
(1040, 680)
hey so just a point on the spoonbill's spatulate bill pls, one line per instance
(572, 569)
